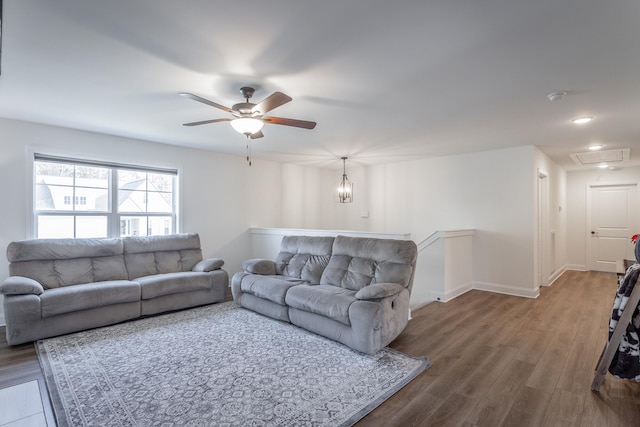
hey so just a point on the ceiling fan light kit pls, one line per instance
(246, 125)
(248, 118)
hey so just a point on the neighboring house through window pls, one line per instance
(79, 198)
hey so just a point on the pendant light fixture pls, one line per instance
(345, 188)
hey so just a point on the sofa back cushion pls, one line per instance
(304, 257)
(147, 255)
(63, 262)
(357, 262)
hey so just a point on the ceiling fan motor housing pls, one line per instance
(244, 109)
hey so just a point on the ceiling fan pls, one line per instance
(248, 118)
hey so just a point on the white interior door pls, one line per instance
(613, 220)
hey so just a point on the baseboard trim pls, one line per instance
(576, 267)
(506, 289)
(448, 296)
(555, 276)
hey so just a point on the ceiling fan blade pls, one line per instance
(257, 135)
(290, 122)
(272, 101)
(205, 101)
(204, 122)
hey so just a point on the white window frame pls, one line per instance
(112, 214)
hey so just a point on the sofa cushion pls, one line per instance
(85, 296)
(357, 262)
(49, 249)
(63, 262)
(304, 257)
(329, 301)
(272, 288)
(147, 255)
(172, 283)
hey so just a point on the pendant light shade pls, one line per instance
(246, 125)
(345, 187)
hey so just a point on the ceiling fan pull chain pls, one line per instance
(249, 150)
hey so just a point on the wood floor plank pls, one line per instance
(492, 408)
(564, 410)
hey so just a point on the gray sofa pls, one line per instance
(350, 289)
(58, 286)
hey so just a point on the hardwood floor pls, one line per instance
(497, 360)
(500, 360)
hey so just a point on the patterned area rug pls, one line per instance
(219, 365)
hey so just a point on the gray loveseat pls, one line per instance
(350, 289)
(58, 286)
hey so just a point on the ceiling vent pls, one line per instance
(604, 156)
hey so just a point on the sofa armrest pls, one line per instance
(208, 264)
(259, 266)
(379, 290)
(18, 285)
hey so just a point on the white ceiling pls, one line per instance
(385, 81)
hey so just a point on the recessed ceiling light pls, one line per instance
(582, 120)
(595, 147)
(603, 165)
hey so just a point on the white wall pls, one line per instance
(577, 185)
(221, 197)
(491, 192)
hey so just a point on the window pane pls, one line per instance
(54, 173)
(91, 199)
(50, 226)
(160, 225)
(54, 197)
(132, 179)
(160, 182)
(133, 226)
(132, 201)
(91, 176)
(159, 202)
(91, 226)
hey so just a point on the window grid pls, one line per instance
(80, 213)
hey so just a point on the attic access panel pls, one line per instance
(604, 156)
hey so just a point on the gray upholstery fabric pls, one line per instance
(173, 283)
(194, 298)
(329, 301)
(172, 242)
(208, 264)
(259, 266)
(268, 287)
(357, 262)
(63, 262)
(18, 285)
(379, 290)
(58, 285)
(147, 255)
(353, 290)
(90, 295)
(24, 323)
(263, 306)
(304, 257)
(46, 249)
